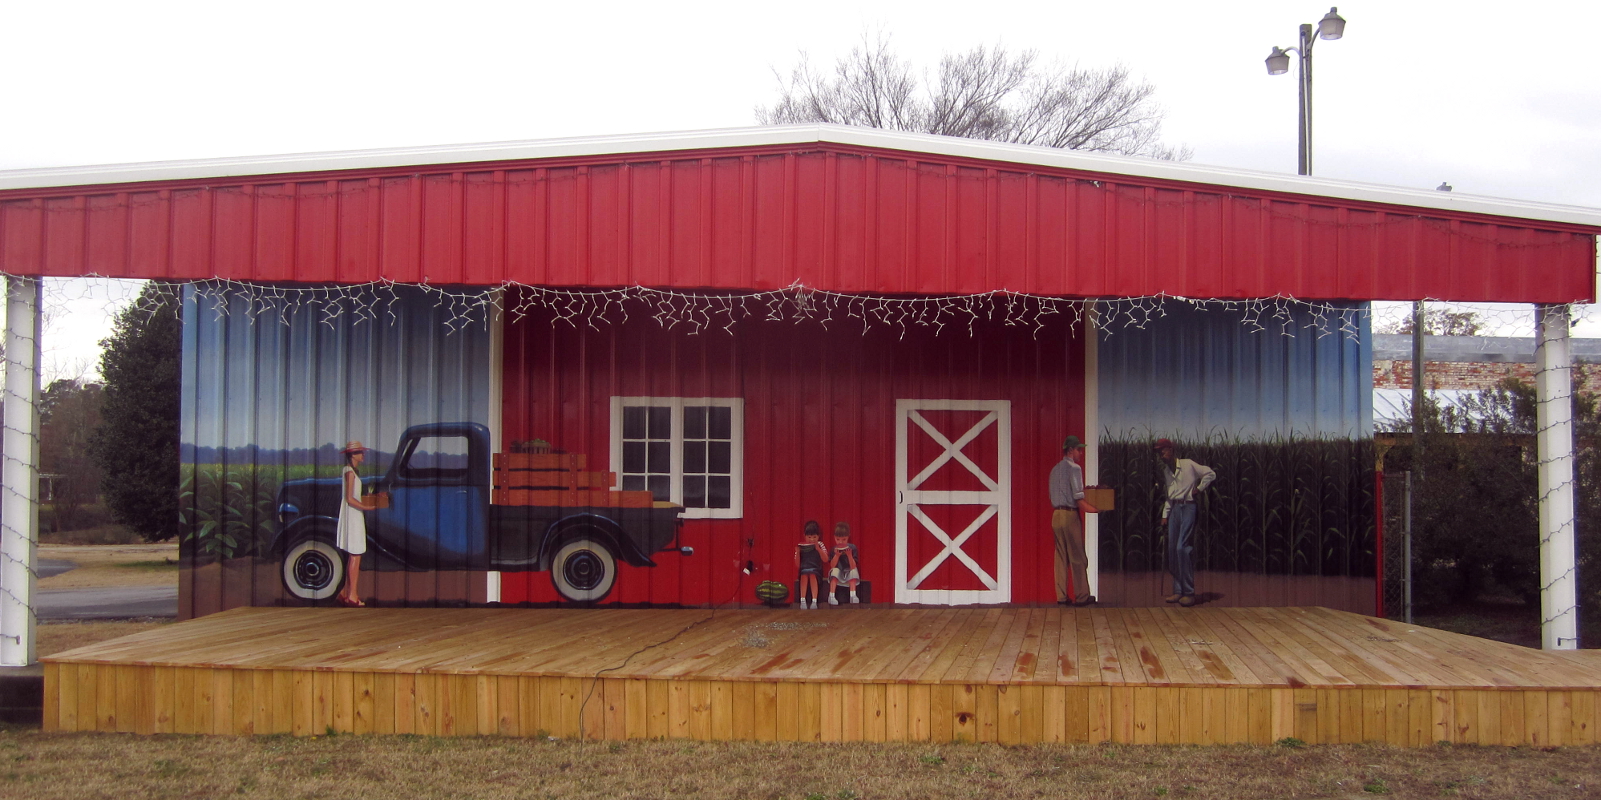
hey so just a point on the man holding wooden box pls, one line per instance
(1067, 499)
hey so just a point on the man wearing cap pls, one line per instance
(1184, 479)
(1067, 499)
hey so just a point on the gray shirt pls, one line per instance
(1067, 484)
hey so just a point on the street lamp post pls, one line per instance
(1332, 26)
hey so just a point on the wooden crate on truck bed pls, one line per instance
(558, 479)
(580, 498)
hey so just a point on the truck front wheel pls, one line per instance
(584, 570)
(313, 569)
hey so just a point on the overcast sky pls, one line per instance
(1495, 98)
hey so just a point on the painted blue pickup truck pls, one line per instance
(440, 518)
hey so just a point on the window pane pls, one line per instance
(634, 422)
(695, 456)
(660, 457)
(661, 422)
(720, 459)
(633, 456)
(719, 493)
(438, 458)
(694, 422)
(633, 483)
(722, 422)
(694, 491)
(660, 488)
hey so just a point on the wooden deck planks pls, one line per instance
(1010, 675)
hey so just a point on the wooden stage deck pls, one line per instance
(1013, 675)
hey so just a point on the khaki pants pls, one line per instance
(1070, 553)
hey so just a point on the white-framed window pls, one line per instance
(685, 450)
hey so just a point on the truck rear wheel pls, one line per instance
(313, 569)
(584, 570)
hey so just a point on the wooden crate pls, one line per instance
(1104, 498)
(569, 498)
(553, 479)
(562, 461)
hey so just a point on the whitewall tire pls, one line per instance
(313, 570)
(583, 570)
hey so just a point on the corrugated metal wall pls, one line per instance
(819, 434)
(1285, 418)
(269, 397)
(830, 217)
(1192, 373)
(268, 402)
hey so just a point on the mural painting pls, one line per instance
(1283, 417)
(434, 519)
(357, 458)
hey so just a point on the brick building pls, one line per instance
(1472, 362)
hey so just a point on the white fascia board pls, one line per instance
(1025, 155)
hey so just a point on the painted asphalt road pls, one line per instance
(121, 602)
(51, 567)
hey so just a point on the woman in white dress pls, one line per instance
(351, 536)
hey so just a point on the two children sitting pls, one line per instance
(812, 554)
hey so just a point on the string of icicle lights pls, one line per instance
(701, 312)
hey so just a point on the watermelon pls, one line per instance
(772, 593)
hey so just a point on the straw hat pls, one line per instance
(354, 446)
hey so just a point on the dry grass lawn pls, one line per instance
(37, 765)
(57, 637)
(101, 566)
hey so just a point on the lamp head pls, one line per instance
(1278, 62)
(1332, 26)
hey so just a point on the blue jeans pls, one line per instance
(1180, 552)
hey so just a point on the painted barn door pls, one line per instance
(953, 501)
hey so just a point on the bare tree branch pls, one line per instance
(983, 93)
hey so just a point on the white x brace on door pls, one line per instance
(994, 499)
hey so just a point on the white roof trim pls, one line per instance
(793, 135)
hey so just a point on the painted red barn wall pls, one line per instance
(819, 432)
(829, 216)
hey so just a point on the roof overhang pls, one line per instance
(795, 135)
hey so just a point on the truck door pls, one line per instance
(437, 509)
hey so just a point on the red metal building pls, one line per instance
(835, 421)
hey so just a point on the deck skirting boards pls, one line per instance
(1014, 675)
(199, 700)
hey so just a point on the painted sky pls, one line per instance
(1496, 99)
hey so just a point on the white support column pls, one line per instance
(19, 505)
(1092, 440)
(1553, 386)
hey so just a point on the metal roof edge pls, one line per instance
(777, 135)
